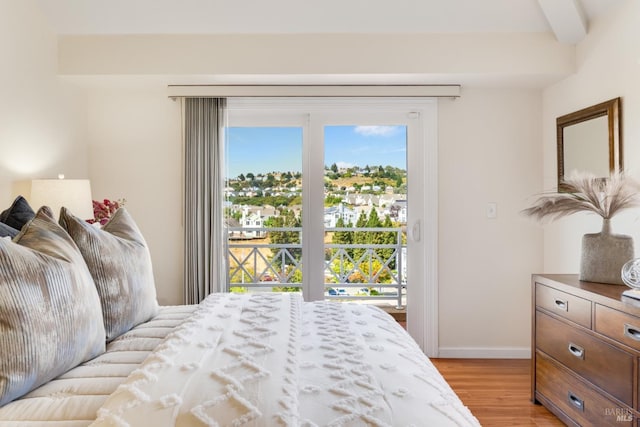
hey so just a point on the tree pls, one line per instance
(374, 272)
(373, 220)
(342, 237)
(287, 219)
(334, 168)
(241, 177)
(388, 238)
(360, 237)
(332, 200)
(271, 180)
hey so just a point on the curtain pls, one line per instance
(205, 250)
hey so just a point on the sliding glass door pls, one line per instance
(365, 212)
(264, 208)
(327, 198)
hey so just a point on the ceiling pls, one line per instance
(326, 16)
(568, 20)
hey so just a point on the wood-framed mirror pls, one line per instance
(590, 140)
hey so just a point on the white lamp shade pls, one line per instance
(73, 194)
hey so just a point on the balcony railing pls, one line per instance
(271, 258)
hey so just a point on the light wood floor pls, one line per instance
(497, 391)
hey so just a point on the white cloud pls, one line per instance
(376, 130)
(344, 165)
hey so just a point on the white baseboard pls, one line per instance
(484, 352)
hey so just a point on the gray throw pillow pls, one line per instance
(18, 214)
(50, 315)
(119, 261)
(7, 231)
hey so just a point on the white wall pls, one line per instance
(608, 67)
(42, 120)
(135, 153)
(489, 151)
(503, 56)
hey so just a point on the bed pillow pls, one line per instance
(50, 315)
(7, 231)
(18, 214)
(119, 261)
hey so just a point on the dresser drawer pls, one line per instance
(622, 327)
(586, 355)
(576, 398)
(569, 306)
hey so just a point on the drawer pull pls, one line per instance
(631, 332)
(576, 401)
(576, 350)
(562, 304)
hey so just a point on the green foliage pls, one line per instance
(369, 265)
(288, 219)
(332, 200)
(265, 200)
(241, 276)
(342, 237)
(367, 270)
(387, 238)
(286, 289)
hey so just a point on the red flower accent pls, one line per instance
(102, 211)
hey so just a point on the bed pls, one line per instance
(78, 355)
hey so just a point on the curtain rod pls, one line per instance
(224, 91)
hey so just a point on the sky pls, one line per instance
(268, 149)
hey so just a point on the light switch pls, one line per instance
(492, 210)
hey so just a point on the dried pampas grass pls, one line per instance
(587, 193)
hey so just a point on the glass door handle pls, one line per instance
(415, 231)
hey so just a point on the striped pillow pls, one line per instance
(119, 261)
(50, 316)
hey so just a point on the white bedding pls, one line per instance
(73, 399)
(251, 360)
(269, 359)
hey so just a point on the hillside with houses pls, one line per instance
(253, 200)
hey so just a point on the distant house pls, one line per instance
(252, 220)
(232, 223)
(386, 200)
(334, 213)
(359, 199)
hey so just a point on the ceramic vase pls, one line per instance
(604, 254)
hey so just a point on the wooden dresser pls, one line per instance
(585, 351)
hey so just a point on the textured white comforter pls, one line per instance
(270, 360)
